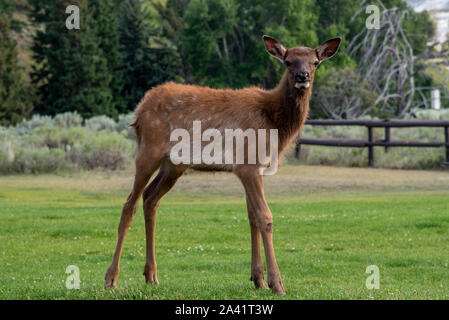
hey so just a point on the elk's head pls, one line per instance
(301, 62)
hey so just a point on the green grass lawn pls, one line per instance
(330, 224)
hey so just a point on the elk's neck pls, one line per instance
(288, 110)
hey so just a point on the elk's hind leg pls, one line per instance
(167, 177)
(143, 175)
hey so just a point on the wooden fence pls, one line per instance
(371, 143)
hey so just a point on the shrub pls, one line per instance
(124, 125)
(56, 137)
(6, 156)
(68, 119)
(27, 126)
(442, 114)
(38, 160)
(101, 123)
(44, 145)
(104, 150)
(345, 97)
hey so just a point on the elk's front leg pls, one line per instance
(257, 272)
(252, 183)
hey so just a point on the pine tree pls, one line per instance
(72, 72)
(143, 66)
(14, 93)
(106, 19)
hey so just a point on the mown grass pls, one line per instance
(330, 224)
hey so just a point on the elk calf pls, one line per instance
(172, 106)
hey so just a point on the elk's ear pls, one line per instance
(274, 47)
(328, 49)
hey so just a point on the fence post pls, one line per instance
(387, 137)
(446, 139)
(298, 150)
(370, 147)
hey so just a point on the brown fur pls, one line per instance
(246, 108)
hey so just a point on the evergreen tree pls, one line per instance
(171, 15)
(143, 66)
(14, 93)
(106, 19)
(72, 72)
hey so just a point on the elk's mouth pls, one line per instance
(304, 84)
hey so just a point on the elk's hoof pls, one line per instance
(152, 281)
(111, 278)
(259, 283)
(277, 288)
(150, 276)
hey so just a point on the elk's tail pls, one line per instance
(136, 126)
(138, 116)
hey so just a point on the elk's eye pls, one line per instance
(316, 63)
(288, 63)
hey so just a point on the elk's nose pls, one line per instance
(302, 76)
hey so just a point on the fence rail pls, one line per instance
(371, 143)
